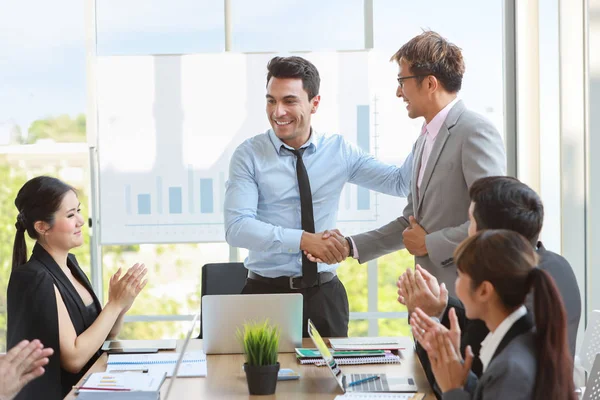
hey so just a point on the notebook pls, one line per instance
(126, 386)
(372, 343)
(386, 359)
(193, 363)
(314, 353)
(380, 396)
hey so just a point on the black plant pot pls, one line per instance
(262, 379)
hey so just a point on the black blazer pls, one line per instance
(32, 314)
(474, 331)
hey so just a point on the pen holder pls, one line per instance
(262, 379)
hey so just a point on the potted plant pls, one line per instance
(260, 342)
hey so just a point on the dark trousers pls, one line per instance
(325, 305)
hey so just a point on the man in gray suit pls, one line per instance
(457, 147)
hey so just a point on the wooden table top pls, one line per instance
(227, 380)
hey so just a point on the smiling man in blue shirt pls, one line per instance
(283, 191)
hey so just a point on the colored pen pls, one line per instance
(369, 379)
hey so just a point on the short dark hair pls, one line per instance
(298, 68)
(503, 202)
(431, 54)
(37, 200)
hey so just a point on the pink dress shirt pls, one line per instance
(430, 130)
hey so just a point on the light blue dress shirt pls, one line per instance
(262, 199)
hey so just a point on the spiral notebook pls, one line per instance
(387, 359)
(381, 396)
(193, 363)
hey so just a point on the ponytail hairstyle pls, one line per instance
(37, 200)
(508, 261)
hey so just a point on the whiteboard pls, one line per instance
(168, 125)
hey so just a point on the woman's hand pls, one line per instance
(446, 363)
(424, 327)
(123, 290)
(20, 365)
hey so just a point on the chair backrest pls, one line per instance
(591, 341)
(592, 388)
(222, 278)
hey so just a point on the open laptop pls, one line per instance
(181, 354)
(223, 315)
(383, 384)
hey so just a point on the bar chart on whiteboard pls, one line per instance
(168, 126)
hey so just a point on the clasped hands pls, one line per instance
(328, 247)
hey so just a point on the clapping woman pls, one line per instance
(522, 358)
(49, 296)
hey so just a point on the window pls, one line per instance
(298, 25)
(137, 27)
(42, 101)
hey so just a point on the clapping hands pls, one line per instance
(124, 290)
(20, 365)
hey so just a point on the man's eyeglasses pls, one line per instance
(401, 79)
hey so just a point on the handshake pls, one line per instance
(328, 247)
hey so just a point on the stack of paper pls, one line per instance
(193, 363)
(372, 343)
(314, 353)
(125, 386)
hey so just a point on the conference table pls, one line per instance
(227, 380)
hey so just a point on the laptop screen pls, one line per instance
(326, 354)
(181, 355)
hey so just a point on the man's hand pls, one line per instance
(421, 289)
(20, 365)
(414, 238)
(326, 247)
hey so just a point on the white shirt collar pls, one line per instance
(493, 339)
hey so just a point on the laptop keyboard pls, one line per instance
(379, 385)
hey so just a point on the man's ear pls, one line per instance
(315, 103)
(485, 292)
(41, 227)
(432, 83)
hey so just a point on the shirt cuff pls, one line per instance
(291, 240)
(354, 249)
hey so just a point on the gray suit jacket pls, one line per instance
(467, 148)
(512, 371)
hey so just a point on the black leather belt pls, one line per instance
(291, 282)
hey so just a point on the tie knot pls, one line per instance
(298, 152)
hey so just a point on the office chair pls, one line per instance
(222, 278)
(592, 389)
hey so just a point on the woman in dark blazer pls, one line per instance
(50, 298)
(496, 271)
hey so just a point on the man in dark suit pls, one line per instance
(497, 202)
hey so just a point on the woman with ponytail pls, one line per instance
(49, 296)
(522, 359)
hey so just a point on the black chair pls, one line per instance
(222, 278)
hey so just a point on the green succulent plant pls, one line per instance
(260, 341)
